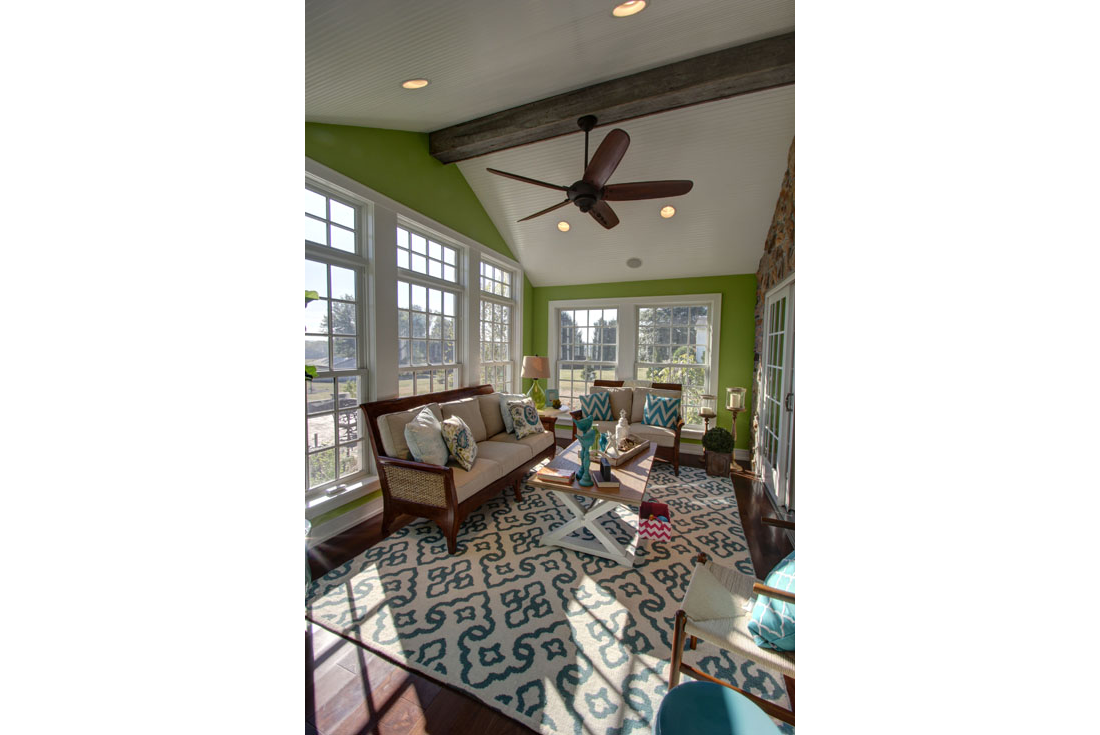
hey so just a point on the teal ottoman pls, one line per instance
(706, 708)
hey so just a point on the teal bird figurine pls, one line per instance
(588, 435)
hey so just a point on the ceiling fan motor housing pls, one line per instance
(583, 194)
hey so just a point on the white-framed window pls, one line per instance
(496, 333)
(335, 342)
(661, 339)
(588, 349)
(673, 342)
(496, 281)
(421, 254)
(427, 344)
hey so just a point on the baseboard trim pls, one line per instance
(344, 521)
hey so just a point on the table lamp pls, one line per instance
(536, 367)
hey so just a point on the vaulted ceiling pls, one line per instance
(485, 56)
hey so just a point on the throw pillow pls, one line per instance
(597, 405)
(425, 438)
(460, 441)
(661, 411)
(525, 418)
(772, 624)
(507, 417)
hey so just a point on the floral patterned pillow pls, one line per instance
(525, 418)
(460, 441)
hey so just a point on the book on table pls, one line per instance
(602, 484)
(564, 477)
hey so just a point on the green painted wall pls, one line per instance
(735, 342)
(396, 163)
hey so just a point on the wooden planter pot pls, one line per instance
(718, 464)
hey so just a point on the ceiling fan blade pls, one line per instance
(548, 209)
(607, 158)
(536, 182)
(646, 190)
(604, 215)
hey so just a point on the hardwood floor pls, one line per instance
(353, 691)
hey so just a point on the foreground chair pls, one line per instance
(713, 610)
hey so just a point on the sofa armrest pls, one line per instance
(418, 482)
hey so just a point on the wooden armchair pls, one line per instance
(712, 610)
(664, 454)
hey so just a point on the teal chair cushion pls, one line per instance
(772, 624)
(661, 411)
(697, 707)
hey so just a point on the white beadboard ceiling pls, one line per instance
(484, 56)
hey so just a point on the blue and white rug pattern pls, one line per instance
(562, 641)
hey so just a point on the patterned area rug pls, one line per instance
(564, 642)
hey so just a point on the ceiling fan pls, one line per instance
(590, 193)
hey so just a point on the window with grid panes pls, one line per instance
(496, 345)
(496, 280)
(336, 451)
(588, 350)
(427, 331)
(673, 347)
(420, 254)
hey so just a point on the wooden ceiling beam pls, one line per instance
(728, 73)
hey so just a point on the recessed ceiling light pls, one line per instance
(667, 212)
(630, 8)
(563, 226)
(414, 83)
(634, 263)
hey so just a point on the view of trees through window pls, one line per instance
(672, 348)
(427, 331)
(588, 349)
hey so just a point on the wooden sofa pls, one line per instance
(448, 494)
(667, 440)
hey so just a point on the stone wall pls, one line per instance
(775, 265)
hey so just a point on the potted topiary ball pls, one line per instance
(719, 445)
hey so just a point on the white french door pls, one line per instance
(776, 434)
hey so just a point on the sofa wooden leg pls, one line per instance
(693, 641)
(518, 485)
(387, 518)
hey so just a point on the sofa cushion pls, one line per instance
(525, 418)
(460, 441)
(504, 415)
(596, 405)
(659, 435)
(508, 455)
(424, 435)
(391, 427)
(469, 410)
(534, 443)
(468, 482)
(489, 403)
(638, 404)
(621, 400)
(661, 411)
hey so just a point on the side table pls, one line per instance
(549, 416)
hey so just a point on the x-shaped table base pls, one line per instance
(588, 518)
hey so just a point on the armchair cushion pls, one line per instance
(621, 400)
(525, 418)
(424, 435)
(597, 405)
(772, 624)
(659, 435)
(460, 441)
(534, 443)
(504, 415)
(469, 480)
(661, 411)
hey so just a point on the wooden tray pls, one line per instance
(625, 457)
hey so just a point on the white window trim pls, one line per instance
(627, 352)
(378, 244)
(514, 303)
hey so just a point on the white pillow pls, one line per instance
(425, 439)
(504, 398)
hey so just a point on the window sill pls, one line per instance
(328, 502)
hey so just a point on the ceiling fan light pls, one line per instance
(415, 83)
(622, 10)
(563, 226)
(668, 211)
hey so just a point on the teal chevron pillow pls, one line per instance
(460, 441)
(525, 418)
(425, 438)
(661, 411)
(772, 624)
(597, 405)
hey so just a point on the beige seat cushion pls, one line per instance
(534, 443)
(509, 455)
(602, 426)
(481, 474)
(621, 399)
(392, 428)
(638, 407)
(469, 410)
(659, 435)
(490, 413)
